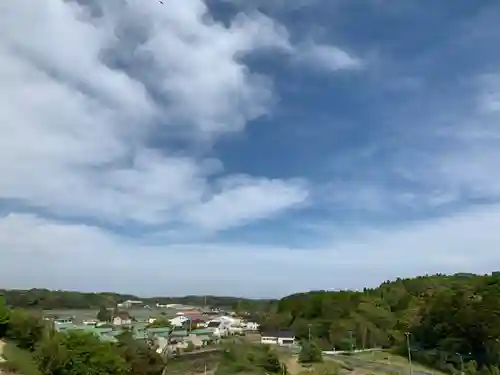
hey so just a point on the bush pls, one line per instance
(190, 347)
(310, 353)
(25, 329)
(19, 360)
(4, 318)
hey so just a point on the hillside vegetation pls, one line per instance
(447, 319)
(448, 322)
(45, 299)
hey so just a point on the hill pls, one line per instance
(447, 318)
(56, 300)
(444, 319)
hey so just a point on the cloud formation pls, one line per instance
(82, 94)
(116, 118)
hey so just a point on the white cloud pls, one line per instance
(457, 151)
(324, 57)
(255, 195)
(46, 258)
(81, 95)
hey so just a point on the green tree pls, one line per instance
(141, 358)
(310, 353)
(104, 315)
(4, 317)
(25, 329)
(160, 323)
(51, 354)
(91, 356)
(270, 362)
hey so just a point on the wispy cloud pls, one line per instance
(46, 257)
(324, 57)
(82, 95)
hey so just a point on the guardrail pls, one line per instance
(337, 352)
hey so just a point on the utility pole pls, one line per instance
(351, 341)
(461, 363)
(407, 334)
(309, 331)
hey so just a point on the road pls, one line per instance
(337, 352)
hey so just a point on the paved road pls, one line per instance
(337, 352)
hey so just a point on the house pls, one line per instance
(122, 318)
(282, 338)
(67, 320)
(129, 304)
(179, 321)
(251, 326)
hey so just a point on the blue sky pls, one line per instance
(253, 148)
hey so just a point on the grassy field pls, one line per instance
(382, 362)
(372, 363)
(19, 361)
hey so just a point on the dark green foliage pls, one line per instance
(161, 323)
(36, 348)
(4, 317)
(141, 359)
(444, 315)
(25, 328)
(89, 355)
(19, 361)
(310, 353)
(256, 359)
(104, 315)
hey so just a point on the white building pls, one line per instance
(129, 304)
(179, 321)
(251, 326)
(122, 318)
(220, 328)
(282, 338)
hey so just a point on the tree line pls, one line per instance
(450, 321)
(72, 353)
(57, 300)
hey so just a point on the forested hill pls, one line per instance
(54, 300)
(443, 315)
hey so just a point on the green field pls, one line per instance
(18, 360)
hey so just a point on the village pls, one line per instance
(173, 329)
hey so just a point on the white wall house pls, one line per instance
(178, 321)
(221, 328)
(122, 318)
(282, 338)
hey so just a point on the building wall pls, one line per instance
(119, 321)
(268, 340)
(282, 341)
(286, 341)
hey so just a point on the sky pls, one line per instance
(247, 148)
